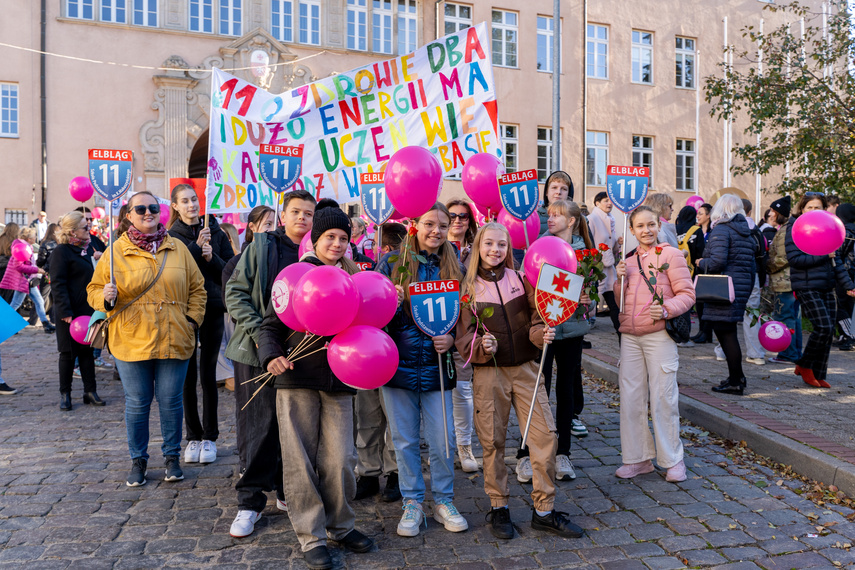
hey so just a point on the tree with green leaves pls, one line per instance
(802, 103)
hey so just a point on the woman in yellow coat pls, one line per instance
(153, 336)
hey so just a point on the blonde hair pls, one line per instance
(468, 285)
(570, 209)
(27, 233)
(658, 203)
(67, 224)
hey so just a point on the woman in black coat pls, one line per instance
(211, 249)
(70, 272)
(814, 279)
(729, 251)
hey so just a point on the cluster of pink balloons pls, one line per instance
(80, 188)
(22, 251)
(79, 328)
(774, 336)
(326, 301)
(413, 180)
(818, 232)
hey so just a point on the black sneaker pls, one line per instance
(318, 558)
(136, 477)
(366, 487)
(48, 327)
(500, 523)
(556, 522)
(847, 344)
(173, 469)
(357, 542)
(7, 390)
(392, 492)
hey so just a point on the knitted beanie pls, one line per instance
(329, 219)
(782, 206)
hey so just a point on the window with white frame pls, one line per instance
(357, 24)
(282, 20)
(457, 17)
(510, 144)
(407, 34)
(145, 13)
(230, 17)
(504, 38)
(685, 62)
(545, 32)
(642, 154)
(381, 28)
(113, 11)
(202, 16)
(16, 217)
(597, 51)
(9, 110)
(642, 57)
(544, 152)
(310, 22)
(685, 165)
(596, 157)
(80, 9)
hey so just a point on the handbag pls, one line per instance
(678, 327)
(714, 289)
(96, 335)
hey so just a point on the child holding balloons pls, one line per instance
(315, 413)
(502, 342)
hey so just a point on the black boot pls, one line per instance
(847, 343)
(730, 387)
(366, 487)
(92, 398)
(65, 401)
(392, 492)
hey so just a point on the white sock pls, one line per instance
(542, 513)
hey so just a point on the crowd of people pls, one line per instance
(190, 301)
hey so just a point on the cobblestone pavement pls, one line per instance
(64, 504)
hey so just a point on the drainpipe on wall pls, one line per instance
(584, 100)
(556, 85)
(43, 90)
(436, 17)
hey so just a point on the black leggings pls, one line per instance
(726, 335)
(83, 354)
(210, 338)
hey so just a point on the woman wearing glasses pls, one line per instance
(814, 278)
(156, 304)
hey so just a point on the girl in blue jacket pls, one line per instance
(413, 394)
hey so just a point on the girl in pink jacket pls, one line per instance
(648, 356)
(16, 279)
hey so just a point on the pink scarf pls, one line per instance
(148, 242)
(83, 244)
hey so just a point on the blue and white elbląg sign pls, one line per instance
(280, 166)
(111, 172)
(436, 306)
(375, 202)
(518, 191)
(627, 186)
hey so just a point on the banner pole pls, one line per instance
(534, 397)
(442, 395)
(112, 236)
(623, 255)
(378, 243)
(525, 233)
(276, 211)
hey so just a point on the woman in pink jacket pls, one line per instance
(17, 279)
(648, 356)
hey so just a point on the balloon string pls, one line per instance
(300, 344)
(256, 379)
(310, 354)
(294, 354)
(255, 393)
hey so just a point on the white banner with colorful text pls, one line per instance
(440, 97)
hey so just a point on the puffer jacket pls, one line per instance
(814, 272)
(778, 266)
(221, 252)
(311, 372)
(515, 322)
(418, 369)
(155, 327)
(675, 283)
(15, 278)
(730, 250)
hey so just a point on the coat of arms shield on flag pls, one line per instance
(557, 294)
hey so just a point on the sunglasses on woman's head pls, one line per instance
(463, 216)
(814, 193)
(153, 208)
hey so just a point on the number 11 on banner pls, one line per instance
(375, 203)
(627, 186)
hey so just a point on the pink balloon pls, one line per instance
(398, 216)
(326, 300)
(413, 180)
(281, 294)
(22, 251)
(775, 336)
(98, 212)
(363, 357)
(79, 327)
(487, 213)
(695, 202)
(818, 232)
(165, 211)
(307, 246)
(80, 188)
(518, 230)
(548, 249)
(378, 299)
(481, 180)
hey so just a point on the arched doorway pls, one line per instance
(197, 166)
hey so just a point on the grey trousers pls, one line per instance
(374, 448)
(316, 435)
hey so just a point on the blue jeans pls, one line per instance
(141, 382)
(787, 311)
(405, 410)
(36, 296)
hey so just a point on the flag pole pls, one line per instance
(442, 396)
(534, 397)
(623, 256)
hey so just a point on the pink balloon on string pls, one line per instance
(774, 336)
(326, 300)
(22, 251)
(548, 249)
(363, 357)
(378, 299)
(818, 232)
(518, 229)
(79, 327)
(281, 295)
(695, 202)
(481, 180)
(80, 188)
(165, 211)
(98, 212)
(413, 180)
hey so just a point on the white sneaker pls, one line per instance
(564, 469)
(411, 522)
(577, 428)
(208, 453)
(244, 523)
(757, 361)
(524, 473)
(446, 514)
(687, 344)
(467, 459)
(281, 505)
(191, 453)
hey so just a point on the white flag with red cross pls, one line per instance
(557, 294)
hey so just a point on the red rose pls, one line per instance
(412, 230)
(658, 250)
(579, 255)
(465, 299)
(792, 331)
(603, 247)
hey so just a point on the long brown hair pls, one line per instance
(807, 197)
(449, 266)
(468, 285)
(570, 209)
(473, 223)
(10, 234)
(256, 216)
(173, 197)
